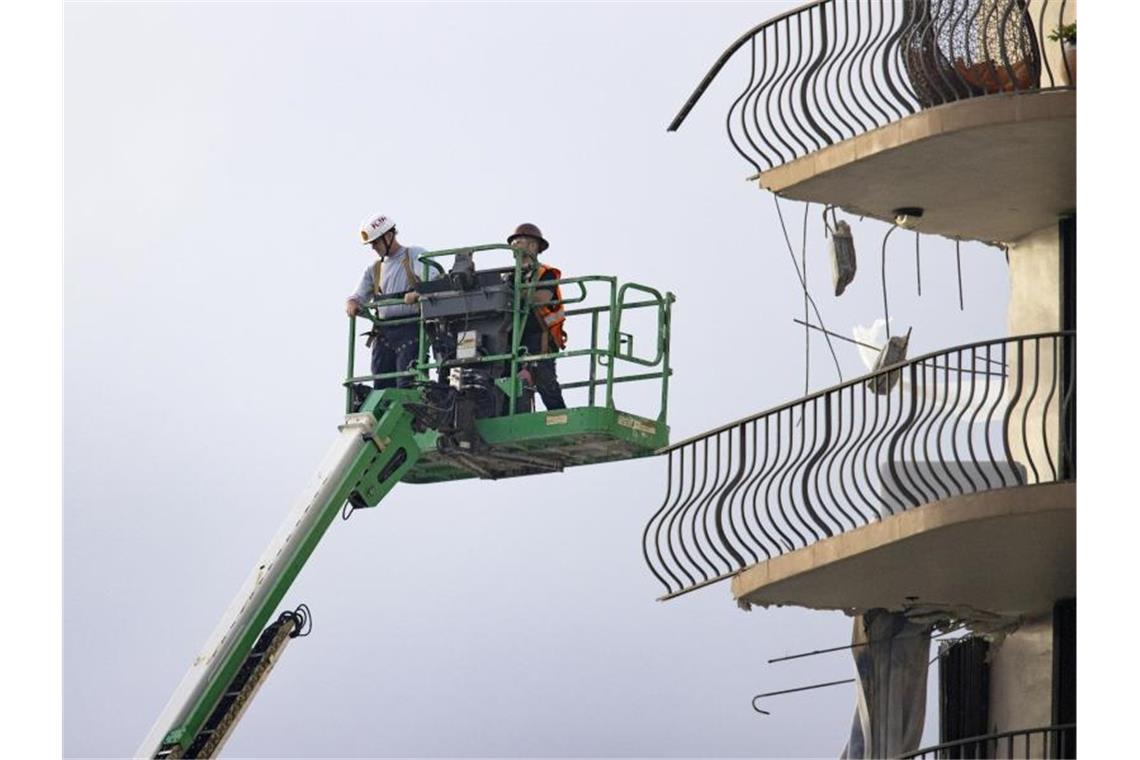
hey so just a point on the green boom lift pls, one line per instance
(467, 413)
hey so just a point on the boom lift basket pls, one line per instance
(470, 326)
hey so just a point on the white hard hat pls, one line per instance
(375, 226)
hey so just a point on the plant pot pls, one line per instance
(1070, 73)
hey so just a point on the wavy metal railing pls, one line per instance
(833, 69)
(1028, 743)
(973, 418)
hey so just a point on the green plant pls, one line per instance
(1065, 33)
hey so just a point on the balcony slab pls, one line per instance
(1008, 552)
(993, 168)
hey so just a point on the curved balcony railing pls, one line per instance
(834, 69)
(1028, 743)
(973, 418)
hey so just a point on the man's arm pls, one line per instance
(362, 295)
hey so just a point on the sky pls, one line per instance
(218, 160)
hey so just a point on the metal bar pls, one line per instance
(759, 478)
(677, 512)
(696, 586)
(665, 338)
(993, 408)
(744, 125)
(1029, 406)
(718, 514)
(797, 73)
(1061, 44)
(351, 364)
(593, 357)
(1041, 44)
(603, 309)
(973, 418)
(846, 130)
(696, 512)
(797, 689)
(779, 468)
(724, 58)
(778, 77)
(762, 85)
(706, 503)
(985, 738)
(616, 380)
(862, 379)
(611, 346)
(1053, 373)
(659, 518)
(741, 489)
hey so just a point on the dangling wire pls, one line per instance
(917, 263)
(958, 254)
(803, 283)
(886, 312)
(829, 228)
(807, 332)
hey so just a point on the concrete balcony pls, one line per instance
(1005, 553)
(964, 108)
(994, 168)
(897, 485)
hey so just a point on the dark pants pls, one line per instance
(544, 374)
(395, 350)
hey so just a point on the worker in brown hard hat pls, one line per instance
(543, 331)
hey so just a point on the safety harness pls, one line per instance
(551, 317)
(377, 283)
(378, 272)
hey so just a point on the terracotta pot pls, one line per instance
(1070, 50)
(992, 77)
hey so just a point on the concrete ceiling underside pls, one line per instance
(1008, 552)
(994, 168)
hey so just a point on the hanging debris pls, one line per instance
(842, 250)
(892, 353)
(890, 661)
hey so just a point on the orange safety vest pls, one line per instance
(553, 316)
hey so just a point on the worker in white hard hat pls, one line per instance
(394, 347)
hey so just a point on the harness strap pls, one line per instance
(378, 272)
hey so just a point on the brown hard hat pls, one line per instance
(530, 230)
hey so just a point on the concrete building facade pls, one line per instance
(959, 121)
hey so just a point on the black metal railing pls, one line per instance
(833, 69)
(973, 418)
(1028, 743)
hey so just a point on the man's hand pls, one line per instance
(351, 308)
(411, 297)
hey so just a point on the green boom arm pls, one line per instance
(375, 449)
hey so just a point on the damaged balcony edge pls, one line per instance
(846, 549)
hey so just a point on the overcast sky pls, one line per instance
(219, 158)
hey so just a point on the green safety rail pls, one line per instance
(617, 345)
